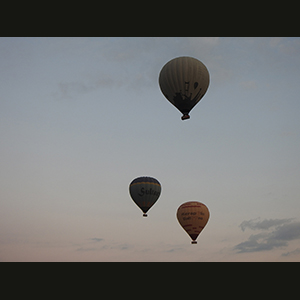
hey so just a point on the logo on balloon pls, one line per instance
(148, 192)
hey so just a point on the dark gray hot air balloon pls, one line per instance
(144, 191)
(184, 81)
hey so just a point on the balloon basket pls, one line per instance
(185, 117)
(194, 242)
(145, 215)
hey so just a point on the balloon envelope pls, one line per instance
(145, 191)
(193, 216)
(184, 81)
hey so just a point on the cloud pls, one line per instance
(289, 46)
(275, 233)
(94, 241)
(135, 62)
(295, 252)
(124, 246)
(175, 249)
(265, 224)
(83, 249)
(97, 239)
(71, 89)
(287, 232)
(98, 244)
(130, 62)
(259, 242)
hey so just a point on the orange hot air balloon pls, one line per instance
(193, 216)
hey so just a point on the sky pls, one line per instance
(82, 117)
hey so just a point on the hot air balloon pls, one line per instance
(145, 191)
(193, 216)
(184, 81)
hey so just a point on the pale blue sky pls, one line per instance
(82, 117)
